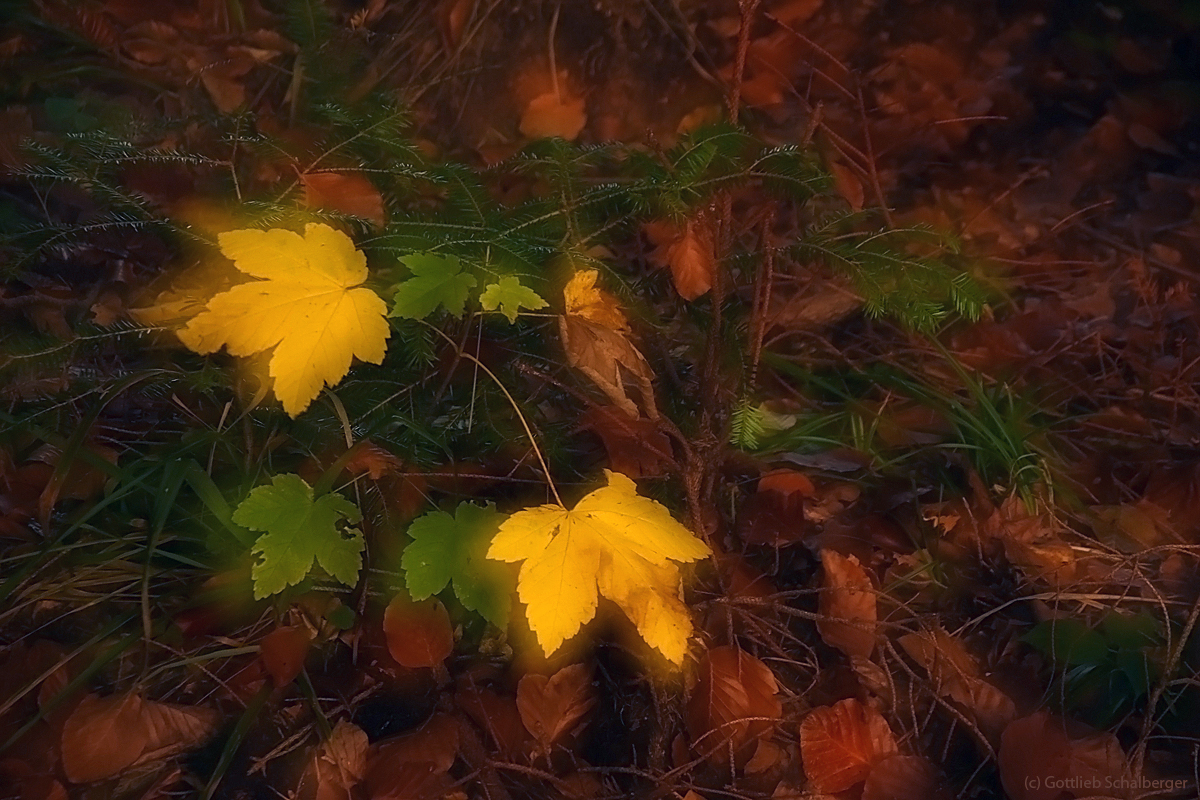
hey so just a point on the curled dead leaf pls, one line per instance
(848, 605)
(595, 336)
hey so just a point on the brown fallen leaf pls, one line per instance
(414, 766)
(734, 704)
(344, 192)
(1038, 758)
(899, 777)
(595, 336)
(105, 736)
(337, 766)
(956, 674)
(841, 743)
(636, 447)
(848, 605)
(689, 251)
(551, 707)
(418, 633)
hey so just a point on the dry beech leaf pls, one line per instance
(734, 702)
(413, 766)
(956, 674)
(552, 707)
(105, 736)
(689, 252)
(1037, 748)
(595, 335)
(899, 777)
(636, 447)
(847, 184)
(283, 651)
(848, 605)
(496, 714)
(418, 633)
(841, 743)
(344, 192)
(337, 766)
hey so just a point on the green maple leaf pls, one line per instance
(437, 280)
(454, 548)
(509, 295)
(299, 530)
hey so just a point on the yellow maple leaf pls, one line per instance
(306, 307)
(614, 543)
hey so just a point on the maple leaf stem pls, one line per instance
(537, 451)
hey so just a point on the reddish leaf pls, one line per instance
(1038, 758)
(495, 714)
(344, 192)
(552, 707)
(283, 651)
(733, 702)
(848, 605)
(418, 634)
(636, 447)
(840, 744)
(898, 777)
(787, 482)
(373, 461)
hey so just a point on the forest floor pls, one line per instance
(958, 560)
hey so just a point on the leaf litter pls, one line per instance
(912, 646)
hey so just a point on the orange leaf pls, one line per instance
(345, 192)
(839, 744)
(283, 651)
(734, 701)
(693, 260)
(551, 707)
(787, 482)
(554, 114)
(898, 777)
(418, 634)
(848, 605)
